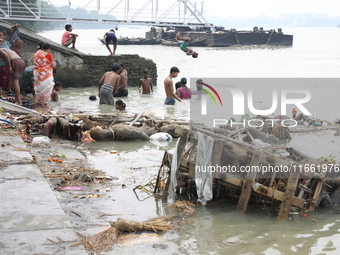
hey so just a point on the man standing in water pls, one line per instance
(108, 38)
(169, 87)
(108, 85)
(122, 89)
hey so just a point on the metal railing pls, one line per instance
(150, 12)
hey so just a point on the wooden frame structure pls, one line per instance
(294, 189)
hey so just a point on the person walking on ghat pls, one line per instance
(184, 46)
(111, 37)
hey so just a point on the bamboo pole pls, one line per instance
(289, 195)
(248, 183)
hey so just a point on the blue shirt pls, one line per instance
(6, 45)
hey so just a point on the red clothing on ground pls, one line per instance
(5, 77)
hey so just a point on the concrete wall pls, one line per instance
(76, 69)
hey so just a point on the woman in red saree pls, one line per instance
(43, 75)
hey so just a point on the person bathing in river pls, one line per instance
(122, 89)
(108, 38)
(108, 85)
(145, 83)
(120, 105)
(184, 92)
(169, 87)
(184, 46)
(56, 89)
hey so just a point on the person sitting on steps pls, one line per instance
(69, 38)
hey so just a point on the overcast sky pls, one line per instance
(252, 8)
(227, 8)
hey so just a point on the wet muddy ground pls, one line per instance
(115, 188)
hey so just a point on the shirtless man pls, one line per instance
(169, 87)
(111, 37)
(108, 85)
(184, 46)
(122, 90)
(16, 68)
(145, 83)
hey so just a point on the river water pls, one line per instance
(218, 229)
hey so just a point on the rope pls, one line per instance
(269, 37)
(237, 40)
(113, 133)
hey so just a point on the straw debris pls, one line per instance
(105, 240)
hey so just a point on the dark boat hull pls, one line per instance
(233, 37)
(247, 38)
(195, 43)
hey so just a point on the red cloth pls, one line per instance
(5, 77)
(49, 56)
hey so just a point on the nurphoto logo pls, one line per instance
(269, 97)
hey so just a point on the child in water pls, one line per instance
(145, 83)
(56, 89)
(120, 105)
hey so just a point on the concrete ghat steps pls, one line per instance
(31, 218)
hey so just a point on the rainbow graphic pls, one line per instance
(210, 94)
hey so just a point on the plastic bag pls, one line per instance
(173, 179)
(161, 136)
(203, 177)
(41, 140)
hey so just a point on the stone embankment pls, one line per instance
(77, 69)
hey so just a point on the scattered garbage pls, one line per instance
(71, 188)
(104, 240)
(161, 136)
(41, 140)
(161, 139)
